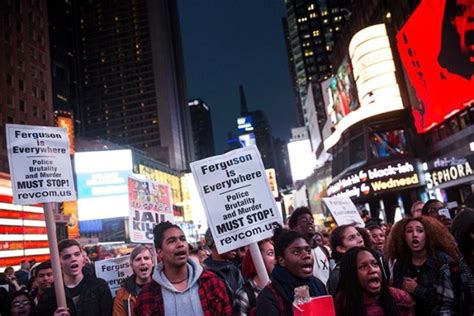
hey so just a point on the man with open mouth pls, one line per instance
(86, 295)
(180, 286)
(141, 261)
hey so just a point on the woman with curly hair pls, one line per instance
(423, 248)
(363, 291)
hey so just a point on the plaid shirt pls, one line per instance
(241, 305)
(434, 294)
(212, 292)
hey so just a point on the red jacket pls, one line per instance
(402, 299)
(212, 292)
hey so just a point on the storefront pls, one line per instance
(450, 179)
(386, 190)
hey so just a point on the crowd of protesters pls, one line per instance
(422, 265)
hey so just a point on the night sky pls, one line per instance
(230, 42)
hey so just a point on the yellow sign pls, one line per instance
(272, 181)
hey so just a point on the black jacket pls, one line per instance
(274, 301)
(95, 300)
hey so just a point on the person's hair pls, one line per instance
(451, 57)
(138, 250)
(462, 228)
(24, 265)
(283, 238)
(8, 269)
(437, 235)
(42, 266)
(68, 243)
(414, 205)
(159, 232)
(349, 299)
(248, 267)
(428, 205)
(293, 221)
(337, 236)
(20, 293)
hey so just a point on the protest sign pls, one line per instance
(149, 204)
(343, 211)
(239, 204)
(114, 271)
(40, 164)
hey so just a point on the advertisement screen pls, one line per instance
(343, 93)
(101, 178)
(302, 159)
(373, 70)
(439, 63)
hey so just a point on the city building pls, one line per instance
(282, 163)
(66, 63)
(25, 85)
(255, 130)
(133, 78)
(397, 136)
(203, 135)
(311, 30)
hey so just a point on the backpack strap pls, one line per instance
(278, 299)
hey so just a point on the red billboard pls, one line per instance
(436, 46)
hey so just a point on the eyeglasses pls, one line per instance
(19, 303)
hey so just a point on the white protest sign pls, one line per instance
(40, 164)
(239, 204)
(114, 271)
(343, 211)
(149, 204)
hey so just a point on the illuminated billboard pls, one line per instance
(439, 63)
(245, 123)
(374, 74)
(342, 93)
(302, 159)
(102, 179)
(64, 119)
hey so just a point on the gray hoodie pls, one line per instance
(186, 302)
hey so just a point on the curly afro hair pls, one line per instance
(438, 238)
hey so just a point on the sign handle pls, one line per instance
(54, 251)
(258, 262)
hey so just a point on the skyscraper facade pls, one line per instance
(203, 135)
(25, 84)
(133, 77)
(311, 29)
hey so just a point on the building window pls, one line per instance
(34, 92)
(22, 106)
(9, 80)
(21, 85)
(43, 95)
(35, 111)
(10, 101)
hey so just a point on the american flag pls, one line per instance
(22, 230)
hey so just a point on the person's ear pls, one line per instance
(281, 261)
(341, 249)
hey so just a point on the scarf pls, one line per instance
(289, 282)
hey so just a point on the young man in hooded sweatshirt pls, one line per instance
(180, 286)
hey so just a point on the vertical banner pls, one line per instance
(114, 271)
(239, 203)
(40, 164)
(149, 204)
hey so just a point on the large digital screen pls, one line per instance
(302, 159)
(102, 183)
(374, 74)
(343, 93)
(439, 62)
